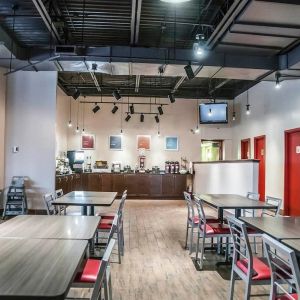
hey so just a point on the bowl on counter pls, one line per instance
(183, 172)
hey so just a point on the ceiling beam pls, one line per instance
(47, 19)
(136, 9)
(293, 2)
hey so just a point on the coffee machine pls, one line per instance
(76, 160)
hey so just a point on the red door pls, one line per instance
(245, 149)
(292, 172)
(260, 153)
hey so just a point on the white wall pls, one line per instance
(2, 124)
(177, 120)
(272, 112)
(30, 124)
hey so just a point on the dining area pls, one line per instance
(252, 240)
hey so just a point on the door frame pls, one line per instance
(255, 157)
(286, 205)
(249, 141)
(221, 147)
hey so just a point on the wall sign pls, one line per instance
(171, 143)
(88, 141)
(115, 142)
(144, 142)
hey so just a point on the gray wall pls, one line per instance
(30, 125)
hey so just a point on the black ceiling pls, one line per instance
(239, 27)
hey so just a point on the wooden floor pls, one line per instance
(156, 266)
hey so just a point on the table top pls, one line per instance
(87, 198)
(277, 227)
(231, 201)
(50, 227)
(292, 243)
(38, 269)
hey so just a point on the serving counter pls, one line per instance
(138, 185)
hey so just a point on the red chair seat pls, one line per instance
(104, 225)
(109, 216)
(90, 271)
(284, 297)
(216, 229)
(260, 267)
(209, 219)
(252, 231)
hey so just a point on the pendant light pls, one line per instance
(248, 111)
(70, 118)
(121, 118)
(77, 127)
(277, 77)
(83, 111)
(233, 112)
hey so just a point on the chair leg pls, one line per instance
(186, 235)
(232, 283)
(197, 246)
(119, 246)
(123, 243)
(247, 291)
(255, 245)
(191, 239)
(202, 252)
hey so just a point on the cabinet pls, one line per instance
(93, 182)
(106, 182)
(168, 185)
(118, 183)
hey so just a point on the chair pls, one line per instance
(59, 193)
(96, 274)
(207, 230)
(105, 226)
(284, 270)
(251, 269)
(192, 220)
(272, 212)
(51, 209)
(252, 196)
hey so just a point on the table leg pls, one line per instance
(92, 210)
(220, 215)
(238, 213)
(84, 210)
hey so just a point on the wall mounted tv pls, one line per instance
(213, 113)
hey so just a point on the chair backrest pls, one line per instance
(48, 199)
(190, 205)
(241, 245)
(201, 213)
(102, 272)
(272, 212)
(253, 196)
(59, 193)
(113, 228)
(285, 275)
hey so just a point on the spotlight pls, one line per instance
(128, 118)
(70, 124)
(156, 119)
(114, 110)
(197, 130)
(131, 108)
(277, 84)
(248, 109)
(116, 95)
(189, 72)
(76, 94)
(96, 108)
(160, 110)
(233, 116)
(171, 98)
(198, 45)
(210, 113)
(142, 117)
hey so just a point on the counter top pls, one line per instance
(227, 161)
(122, 173)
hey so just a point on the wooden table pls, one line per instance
(292, 243)
(37, 268)
(277, 227)
(231, 201)
(50, 227)
(87, 199)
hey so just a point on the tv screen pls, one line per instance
(213, 113)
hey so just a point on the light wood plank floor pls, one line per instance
(156, 266)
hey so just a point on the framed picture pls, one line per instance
(171, 143)
(87, 141)
(115, 142)
(144, 142)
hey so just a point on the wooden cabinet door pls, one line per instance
(180, 185)
(77, 182)
(93, 182)
(118, 183)
(106, 181)
(65, 185)
(58, 183)
(155, 185)
(168, 185)
(131, 184)
(143, 186)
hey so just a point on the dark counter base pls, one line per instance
(139, 186)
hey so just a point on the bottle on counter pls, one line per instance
(172, 163)
(177, 167)
(167, 167)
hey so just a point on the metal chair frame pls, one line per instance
(51, 209)
(242, 248)
(285, 270)
(62, 208)
(272, 212)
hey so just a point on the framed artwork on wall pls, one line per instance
(144, 142)
(87, 141)
(115, 142)
(171, 143)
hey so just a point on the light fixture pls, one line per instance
(248, 105)
(96, 108)
(198, 46)
(189, 71)
(76, 94)
(158, 133)
(210, 113)
(142, 117)
(131, 108)
(77, 129)
(116, 95)
(160, 110)
(233, 116)
(156, 119)
(83, 131)
(70, 119)
(70, 124)
(171, 98)
(175, 1)
(277, 84)
(197, 130)
(115, 108)
(121, 132)
(128, 117)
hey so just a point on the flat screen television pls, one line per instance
(213, 113)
